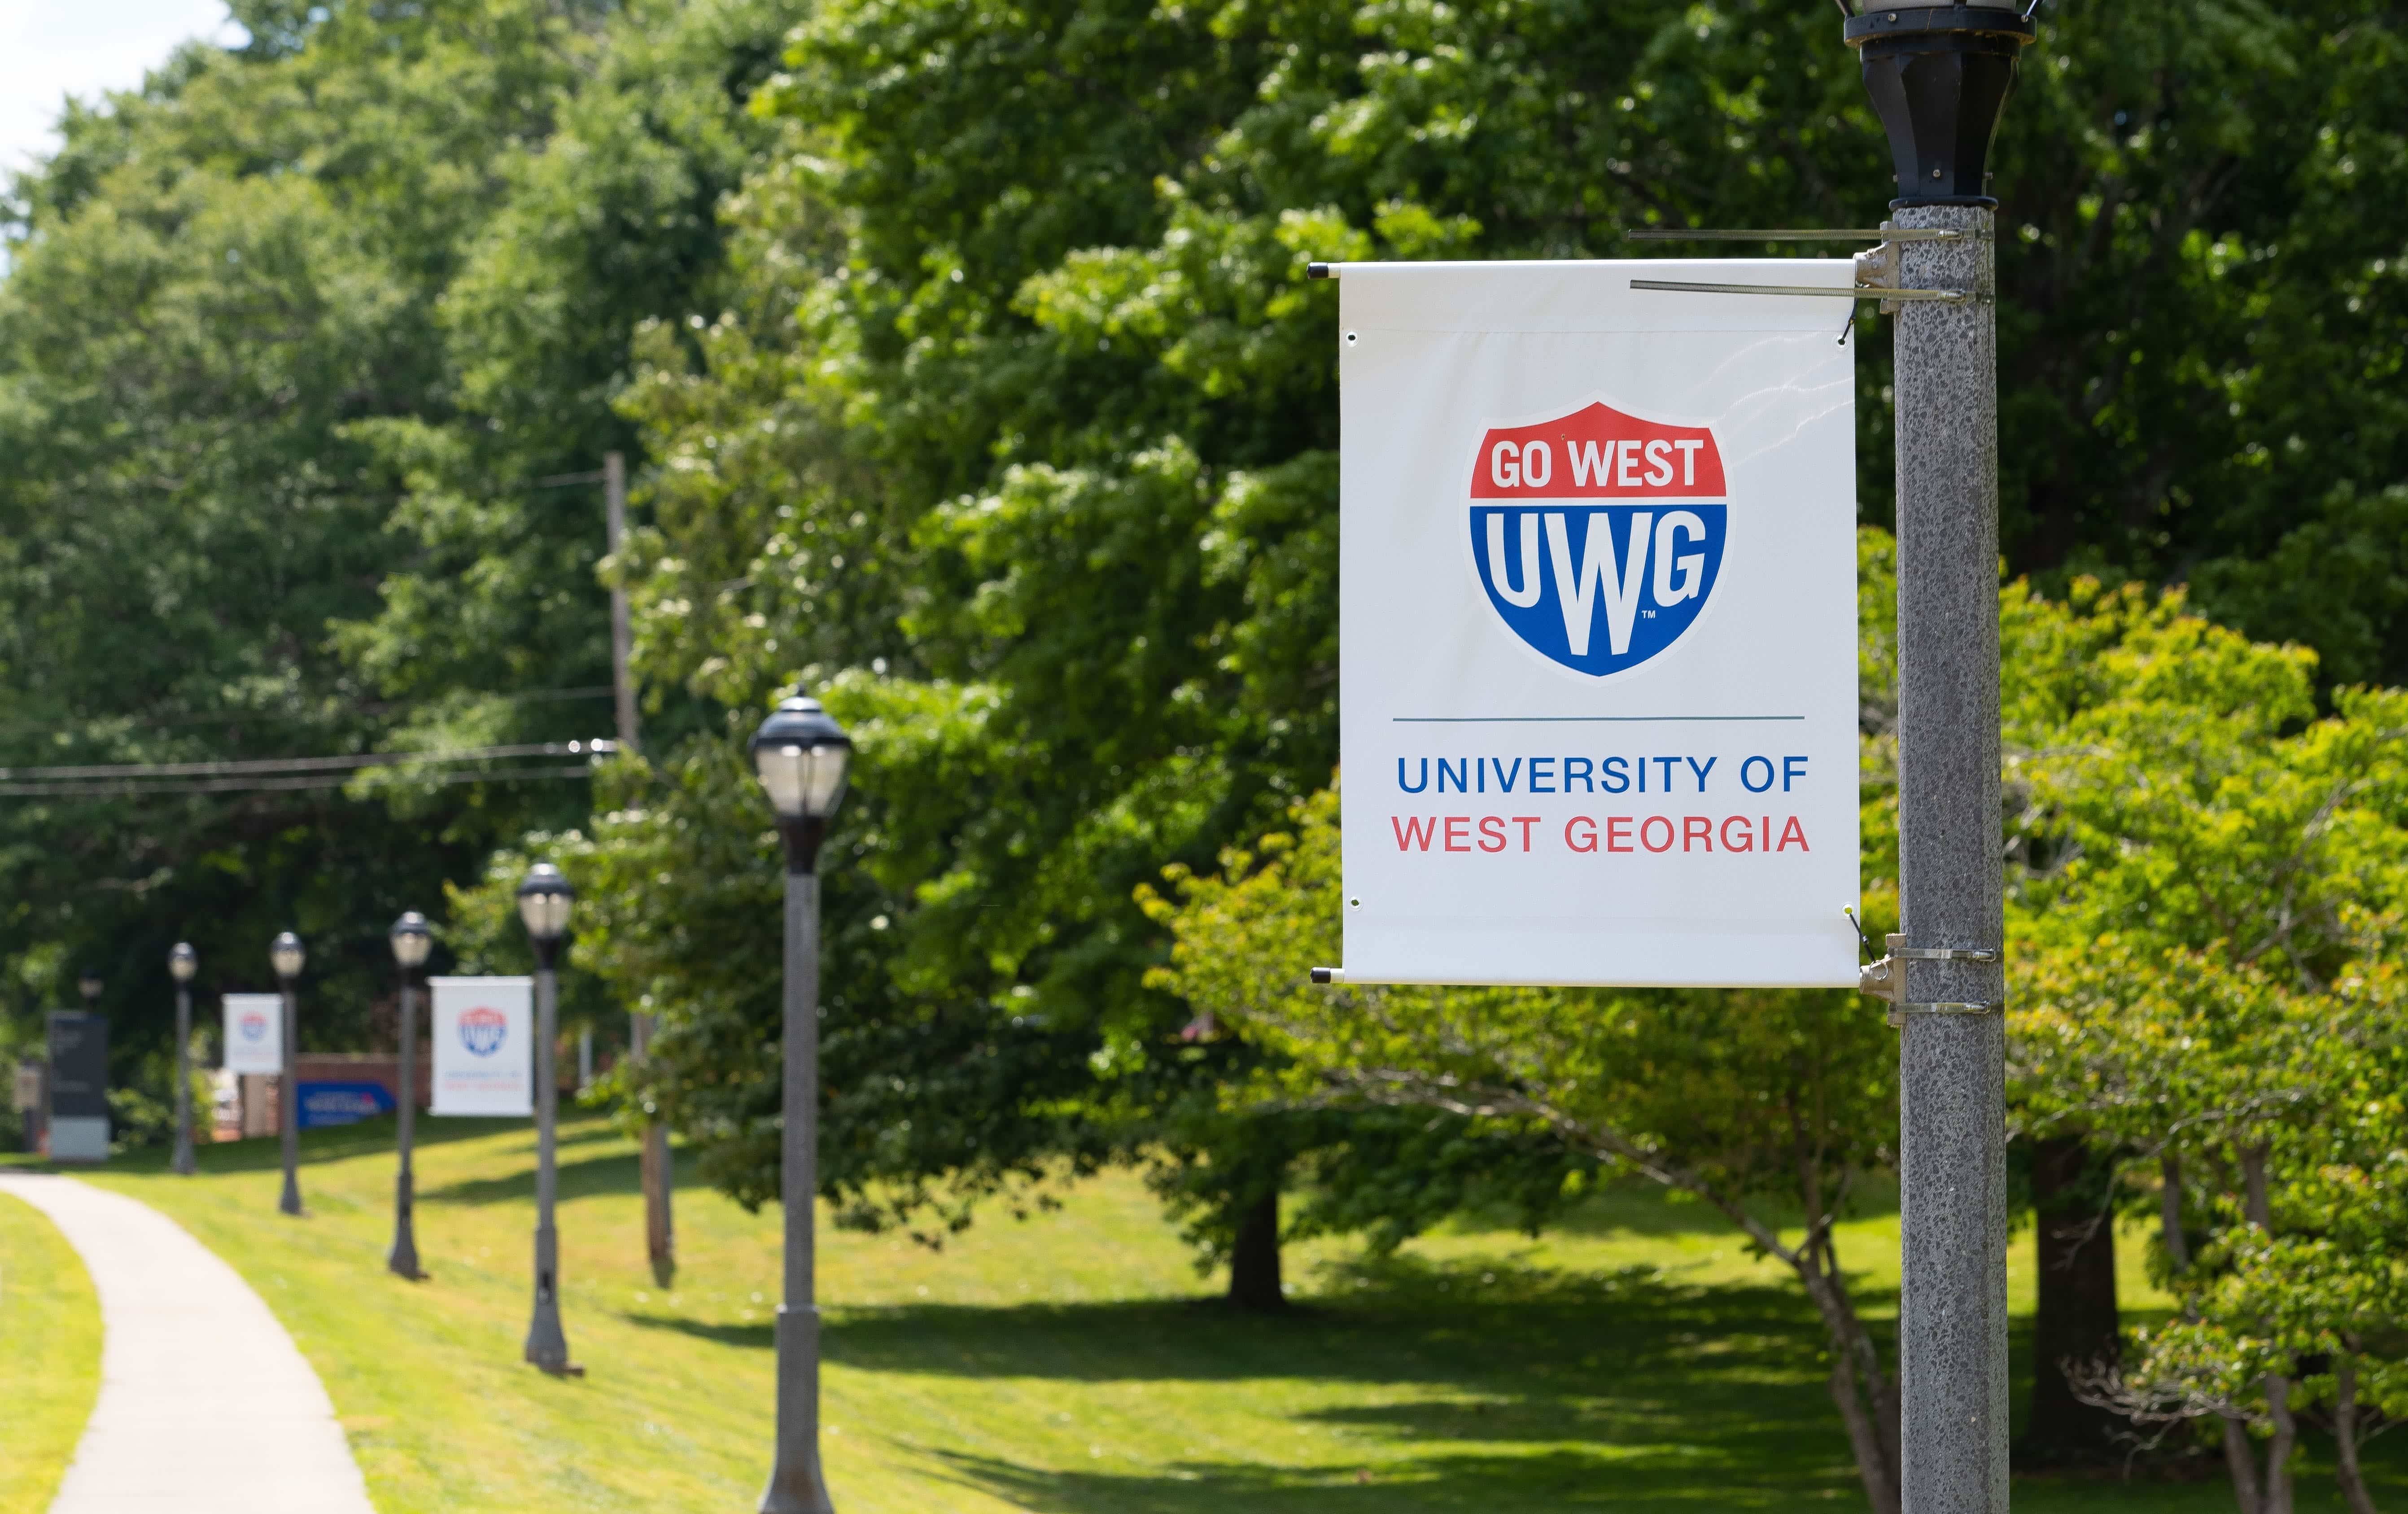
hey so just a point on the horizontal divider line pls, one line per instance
(1557, 720)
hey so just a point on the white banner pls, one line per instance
(483, 1031)
(1597, 626)
(254, 1032)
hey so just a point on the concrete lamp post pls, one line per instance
(800, 755)
(1938, 78)
(544, 900)
(183, 963)
(286, 956)
(411, 941)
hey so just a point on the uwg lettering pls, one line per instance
(1599, 587)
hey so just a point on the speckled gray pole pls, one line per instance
(183, 1163)
(547, 1346)
(288, 1108)
(1952, 1324)
(796, 1483)
(402, 1259)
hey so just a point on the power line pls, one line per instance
(138, 788)
(230, 717)
(602, 746)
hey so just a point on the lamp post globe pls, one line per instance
(411, 942)
(285, 954)
(545, 903)
(88, 984)
(800, 755)
(183, 963)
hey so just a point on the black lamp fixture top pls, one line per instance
(412, 939)
(544, 900)
(1938, 78)
(801, 756)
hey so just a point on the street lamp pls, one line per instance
(544, 900)
(88, 984)
(286, 955)
(182, 963)
(411, 941)
(799, 755)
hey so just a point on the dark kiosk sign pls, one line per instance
(78, 1087)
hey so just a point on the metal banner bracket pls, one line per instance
(1878, 271)
(1887, 979)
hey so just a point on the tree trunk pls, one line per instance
(2241, 1460)
(1864, 1393)
(1255, 1259)
(2077, 1321)
(2239, 1457)
(2278, 1386)
(2278, 1450)
(2346, 1437)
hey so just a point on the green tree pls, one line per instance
(1755, 1102)
(289, 341)
(1017, 422)
(215, 290)
(2190, 965)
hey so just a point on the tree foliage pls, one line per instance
(2202, 986)
(289, 338)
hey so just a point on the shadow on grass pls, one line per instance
(1645, 1211)
(1488, 1333)
(587, 1177)
(1608, 1477)
(1496, 1389)
(754, 1337)
(368, 1138)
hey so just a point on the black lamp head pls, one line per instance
(411, 940)
(800, 755)
(184, 962)
(285, 955)
(1939, 77)
(544, 900)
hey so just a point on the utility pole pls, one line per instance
(622, 634)
(1939, 77)
(660, 1227)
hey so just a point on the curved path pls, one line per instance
(205, 1405)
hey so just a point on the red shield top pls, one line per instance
(1597, 453)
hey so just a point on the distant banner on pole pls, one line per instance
(1597, 626)
(484, 1046)
(254, 1032)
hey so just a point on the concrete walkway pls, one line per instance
(206, 1406)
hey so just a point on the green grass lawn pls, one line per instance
(1635, 1359)
(50, 1356)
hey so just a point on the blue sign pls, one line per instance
(325, 1104)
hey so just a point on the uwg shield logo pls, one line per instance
(254, 1024)
(1599, 536)
(483, 1029)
